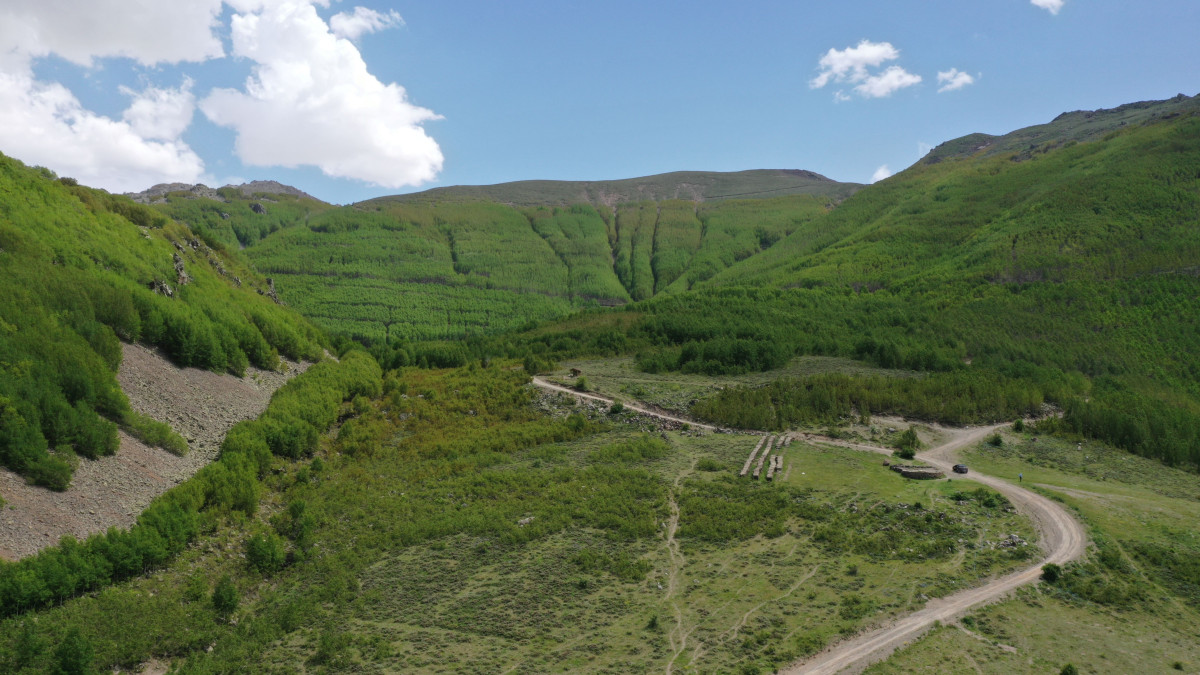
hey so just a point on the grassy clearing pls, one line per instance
(1130, 607)
(620, 378)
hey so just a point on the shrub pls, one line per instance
(1051, 573)
(617, 408)
(908, 441)
(709, 464)
(905, 453)
(225, 597)
(995, 440)
(265, 553)
(581, 384)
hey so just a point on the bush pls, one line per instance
(616, 408)
(709, 464)
(581, 384)
(908, 441)
(905, 453)
(265, 553)
(995, 440)
(1051, 573)
(1019, 425)
(225, 597)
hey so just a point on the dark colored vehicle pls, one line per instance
(960, 468)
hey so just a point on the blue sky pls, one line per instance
(398, 96)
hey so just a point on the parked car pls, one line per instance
(960, 468)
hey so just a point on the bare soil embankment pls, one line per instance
(112, 491)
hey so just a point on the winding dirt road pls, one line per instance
(1061, 537)
(545, 384)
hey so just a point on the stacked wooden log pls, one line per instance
(763, 459)
(750, 459)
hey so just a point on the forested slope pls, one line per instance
(1069, 276)
(82, 270)
(390, 270)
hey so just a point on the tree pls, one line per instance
(73, 655)
(264, 552)
(225, 597)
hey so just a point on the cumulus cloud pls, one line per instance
(45, 124)
(311, 101)
(881, 173)
(161, 114)
(352, 25)
(146, 31)
(1052, 6)
(853, 65)
(953, 79)
(886, 83)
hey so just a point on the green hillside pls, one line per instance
(685, 185)
(1066, 277)
(81, 271)
(388, 270)
(234, 216)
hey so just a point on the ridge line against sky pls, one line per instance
(350, 101)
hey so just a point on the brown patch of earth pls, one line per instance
(111, 491)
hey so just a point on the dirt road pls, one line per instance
(1060, 536)
(545, 384)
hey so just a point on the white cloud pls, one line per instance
(840, 96)
(881, 173)
(147, 31)
(161, 114)
(953, 79)
(45, 124)
(1052, 6)
(850, 64)
(311, 101)
(853, 65)
(886, 83)
(362, 21)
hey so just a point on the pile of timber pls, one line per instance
(763, 459)
(917, 472)
(750, 460)
(775, 466)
